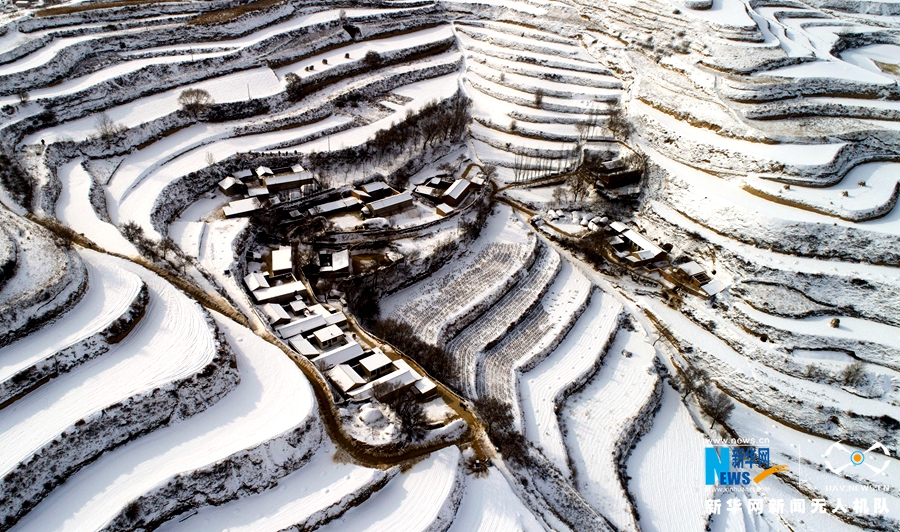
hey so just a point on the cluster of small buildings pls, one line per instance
(693, 276)
(448, 194)
(321, 335)
(633, 248)
(260, 188)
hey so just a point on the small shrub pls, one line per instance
(853, 375)
(372, 58)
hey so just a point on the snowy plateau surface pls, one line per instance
(754, 143)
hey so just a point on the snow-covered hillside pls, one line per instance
(577, 243)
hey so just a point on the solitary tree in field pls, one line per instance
(718, 406)
(490, 171)
(23, 97)
(194, 100)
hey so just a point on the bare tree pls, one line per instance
(490, 171)
(106, 128)
(23, 96)
(132, 231)
(617, 124)
(210, 158)
(718, 405)
(194, 100)
(579, 184)
(539, 97)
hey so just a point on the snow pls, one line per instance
(299, 498)
(77, 84)
(726, 12)
(850, 328)
(795, 154)
(490, 505)
(667, 470)
(829, 70)
(721, 192)
(860, 203)
(75, 210)
(410, 502)
(110, 292)
(517, 6)
(462, 286)
(469, 345)
(865, 56)
(597, 416)
(272, 397)
(48, 52)
(422, 92)
(571, 361)
(172, 341)
(257, 82)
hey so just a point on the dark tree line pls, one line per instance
(501, 427)
(401, 335)
(437, 122)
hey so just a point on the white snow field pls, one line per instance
(75, 210)
(601, 415)
(423, 498)
(317, 492)
(490, 505)
(543, 388)
(666, 470)
(110, 291)
(272, 400)
(173, 341)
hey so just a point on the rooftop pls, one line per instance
(301, 326)
(328, 333)
(375, 361)
(391, 201)
(458, 189)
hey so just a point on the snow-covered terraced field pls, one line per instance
(544, 388)
(535, 337)
(469, 345)
(666, 470)
(600, 418)
(110, 293)
(468, 288)
(74, 209)
(46, 280)
(317, 492)
(424, 498)
(170, 353)
(490, 505)
(262, 430)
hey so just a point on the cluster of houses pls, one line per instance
(321, 335)
(259, 188)
(448, 194)
(377, 200)
(636, 250)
